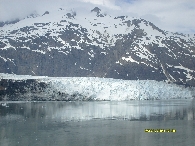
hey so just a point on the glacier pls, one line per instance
(95, 88)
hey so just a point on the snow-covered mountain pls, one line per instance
(71, 43)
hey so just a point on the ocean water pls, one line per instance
(98, 123)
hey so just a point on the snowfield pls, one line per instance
(92, 88)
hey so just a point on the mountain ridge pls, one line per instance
(67, 43)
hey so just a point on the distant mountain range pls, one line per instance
(96, 44)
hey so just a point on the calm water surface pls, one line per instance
(97, 123)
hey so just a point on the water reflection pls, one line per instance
(74, 111)
(95, 123)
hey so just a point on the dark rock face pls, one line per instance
(8, 22)
(120, 17)
(96, 9)
(13, 89)
(33, 15)
(69, 15)
(69, 49)
(46, 12)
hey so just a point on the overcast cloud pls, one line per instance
(171, 15)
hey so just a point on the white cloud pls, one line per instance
(107, 3)
(171, 15)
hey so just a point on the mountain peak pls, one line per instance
(96, 9)
(46, 12)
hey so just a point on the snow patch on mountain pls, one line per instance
(129, 58)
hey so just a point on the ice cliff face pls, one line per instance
(68, 43)
(115, 89)
(16, 87)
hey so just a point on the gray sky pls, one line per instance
(171, 15)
